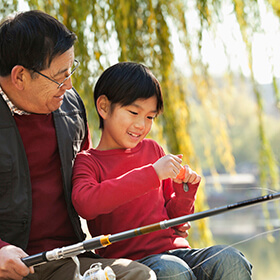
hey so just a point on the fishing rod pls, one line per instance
(105, 240)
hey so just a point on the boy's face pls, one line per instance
(125, 127)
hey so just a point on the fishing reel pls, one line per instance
(95, 272)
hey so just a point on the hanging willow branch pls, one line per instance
(141, 31)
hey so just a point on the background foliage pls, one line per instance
(210, 121)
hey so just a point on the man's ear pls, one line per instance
(18, 76)
(103, 106)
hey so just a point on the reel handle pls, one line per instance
(35, 259)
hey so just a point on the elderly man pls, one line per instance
(42, 127)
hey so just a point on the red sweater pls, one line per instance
(50, 226)
(118, 190)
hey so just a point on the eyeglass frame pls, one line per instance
(62, 83)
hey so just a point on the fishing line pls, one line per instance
(238, 243)
(225, 248)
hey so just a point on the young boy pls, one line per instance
(128, 182)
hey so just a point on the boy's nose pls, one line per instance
(140, 123)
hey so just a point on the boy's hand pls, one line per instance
(183, 230)
(168, 166)
(187, 175)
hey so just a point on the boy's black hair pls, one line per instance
(125, 82)
(32, 39)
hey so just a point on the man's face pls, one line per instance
(41, 95)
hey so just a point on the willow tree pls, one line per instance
(141, 30)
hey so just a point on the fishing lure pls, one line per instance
(182, 173)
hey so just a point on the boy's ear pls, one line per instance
(18, 76)
(103, 106)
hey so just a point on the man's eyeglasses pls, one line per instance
(76, 65)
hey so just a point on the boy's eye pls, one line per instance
(151, 118)
(133, 113)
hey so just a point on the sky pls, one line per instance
(265, 47)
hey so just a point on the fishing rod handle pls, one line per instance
(55, 254)
(35, 259)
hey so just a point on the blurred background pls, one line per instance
(219, 66)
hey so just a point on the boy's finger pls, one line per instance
(197, 180)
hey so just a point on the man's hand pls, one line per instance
(11, 266)
(183, 230)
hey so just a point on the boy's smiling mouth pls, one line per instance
(134, 134)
